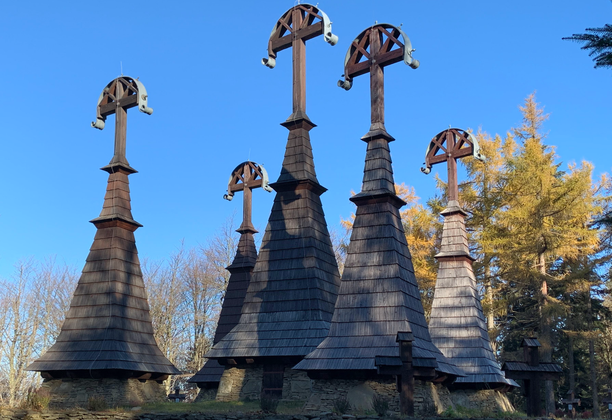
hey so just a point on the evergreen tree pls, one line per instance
(544, 220)
(481, 196)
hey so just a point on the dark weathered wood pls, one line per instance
(272, 381)
(108, 331)
(378, 294)
(532, 372)
(457, 324)
(245, 177)
(290, 299)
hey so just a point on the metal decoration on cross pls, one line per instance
(374, 49)
(118, 96)
(296, 26)
(245, 177)
(448, 146)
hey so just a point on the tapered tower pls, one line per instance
(106, 345)
(290, 300)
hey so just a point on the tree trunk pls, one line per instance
(570, 350)
(489, 297)
(546, 337)
(593, 368)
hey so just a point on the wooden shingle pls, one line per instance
(378, 296)
(457, 323)
(108, 326)
(293, 289)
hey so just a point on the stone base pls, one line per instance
(485, 400)
(429, 399)
(206, 394)
(243, 382)
(71, 393)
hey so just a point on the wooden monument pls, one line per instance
(290, 300)
(107, 337)
(379, 299)
(457, 324)
(532, 372)
(245, 177)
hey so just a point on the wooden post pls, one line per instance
(299, 65)
(120, 127)
(377, 85)
(406, 376)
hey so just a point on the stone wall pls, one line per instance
(429, 399)
(485, 400)
(206, 394)
(70, 393)
(6, 414)
(243, 382)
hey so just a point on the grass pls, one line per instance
(284, 407)
(463, 412)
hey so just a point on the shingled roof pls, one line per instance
(241, 271)
(108, 327)
(457, 324)
(379, 296)
(291, 296)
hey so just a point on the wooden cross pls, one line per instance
(293, 29)
(374, 49)
(571, 402)
(448, 146)
(245, 177)
(117, 97)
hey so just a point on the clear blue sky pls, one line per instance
(216, 105)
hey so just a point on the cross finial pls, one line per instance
(117, 97)
(245, 177)
(299, 24)
(448, 146)
(375, 48)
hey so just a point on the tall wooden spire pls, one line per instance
(457, 324)
(245, 177)
(379, 296)
(108, 331)
(290, 300)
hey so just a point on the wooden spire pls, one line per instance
(290, 299)
(245, 177)
(457, 324)
(379, 296)
(108, 331)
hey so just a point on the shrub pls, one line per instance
(96, 403)
(268, 405)
(559, 413)
(380, 405)
(38, 399)
(341, 406)
(587, 414)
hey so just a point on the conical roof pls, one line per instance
(457, 324)
(108, 327)
(379, 295)
(291, 296)
(241, 271)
